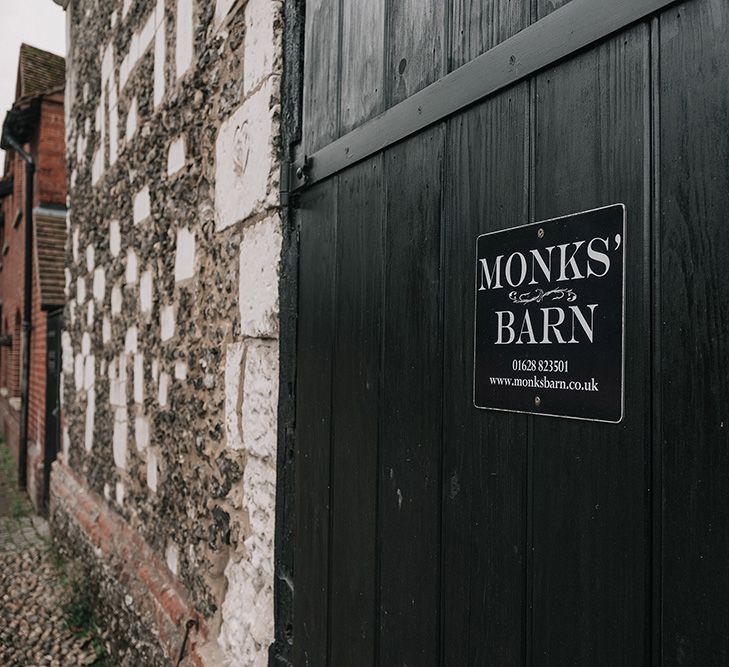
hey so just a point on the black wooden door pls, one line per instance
(53, 404)
(429, 532)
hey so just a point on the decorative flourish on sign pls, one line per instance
(539, 295)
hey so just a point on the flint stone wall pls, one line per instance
(170, 354)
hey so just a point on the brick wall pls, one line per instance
(47, 146)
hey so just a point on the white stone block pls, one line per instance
(66, 443)
(131, 271)
(89, 258)
(180, 370)
(176, 156)
(90, 314)
(89, 372)
(139, 378)
(166, 322)
(184, 255)
(125, 7)
(141, 432)
(260, 252)
(152, 470)
(172, 556)
(131, 126)
(75, 243)
(184, 39)
(159, 65)
(247, 611)
(114, 238)
(67, 286)
(141, 205)
(97, 166)
(145, 292)
(261, 43)
(130, 340)
(105, 330)
(233, 394)
(260, 399)
(119, 493)
(67, 352)
(118, 381)
(222, 7)
(116, 300)
(164, 385)
(78, 372)
(89, 424)
(107, 62)
(155, 370)
(245, 161)
(113, 133)
(147, 34)
(99, 286)
(119, 438)
(81, 291)
(159, 13)
(86, 344)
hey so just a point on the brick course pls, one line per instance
(47, 147)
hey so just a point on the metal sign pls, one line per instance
(549, 317)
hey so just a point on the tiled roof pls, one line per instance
(39, 72)
(50, 245)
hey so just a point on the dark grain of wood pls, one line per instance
(694, 355)
(410, 426)
(484, 454)
(321, 81)
(362, 64)
(590, 508)
(416, 49)
(355, 400)
(317, 219)
(479, 25)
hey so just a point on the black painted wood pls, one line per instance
(590, 511)
(484, 458)
(415, 46)
(362, 62)
(317, 254)
(562, 33)
(410, 421)
(321, 78)
(429, 532)
(355, 417)
(694, 331)
(479, 25)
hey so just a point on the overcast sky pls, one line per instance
(39, 23)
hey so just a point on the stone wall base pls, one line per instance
(140, 605)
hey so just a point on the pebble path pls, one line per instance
(33, 630)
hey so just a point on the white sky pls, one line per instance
(39, 23)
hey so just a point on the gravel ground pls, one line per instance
(34, 629)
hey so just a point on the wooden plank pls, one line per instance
(321, 74)
(410, 427)
(479, 25)
(355, 399)
(545, 7)
(694, 351)
(528, 51)
(590, 499)
(416, 49)
(362, 66)
(316, 316)
(484, 453)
